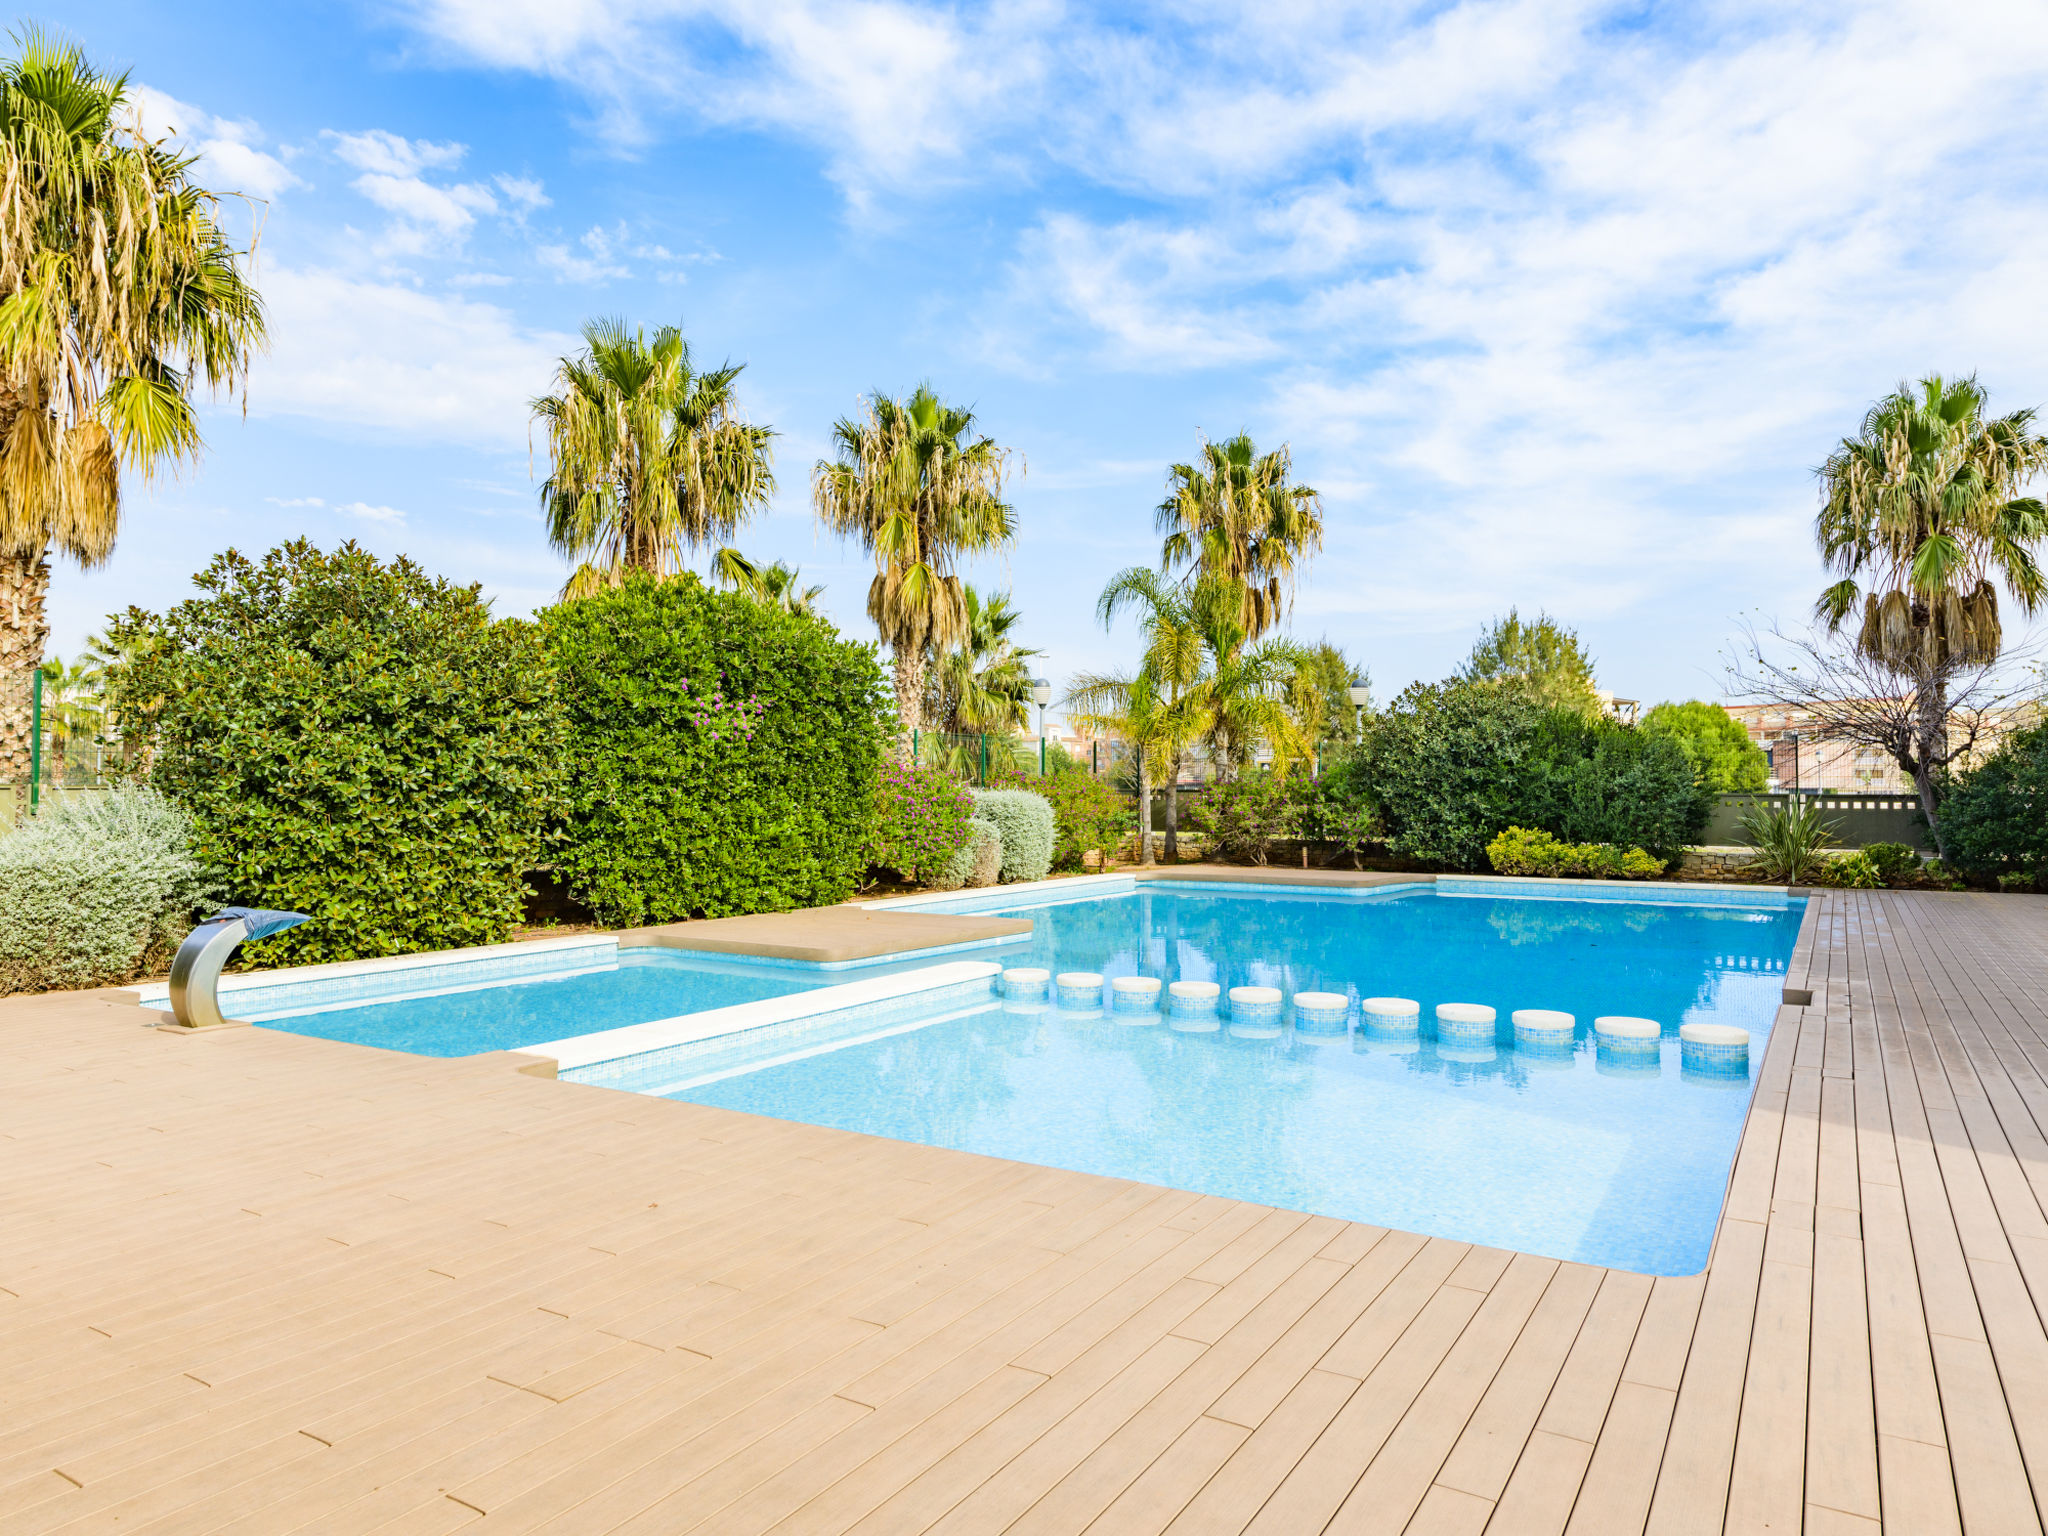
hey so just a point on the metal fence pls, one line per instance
(1859, 818)
(59, 763)
(981, 756)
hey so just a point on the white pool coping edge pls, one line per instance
(686, 1029)
(157, 994)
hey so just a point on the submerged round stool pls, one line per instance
(1618, 1032)
(1321, 1012)
(1543, 1028)
(1390, 1017)
(1191, 1006)
(1136, 995)
(1255, 1012)
(1464, 1024)
(1713, 1048)
(1025, 983)
(1079, 989)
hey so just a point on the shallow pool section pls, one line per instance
(507, 1001)
(1574, 1153)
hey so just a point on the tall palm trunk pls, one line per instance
(24, 583)
(908, 676)
(1930, 746)
(1144, 806)
(1173, 810)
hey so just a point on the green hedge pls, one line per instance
(357, 741)
(1451, 765)
(98, 889)
(723, 754)
(1025, 823)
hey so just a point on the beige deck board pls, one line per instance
(254, 1284)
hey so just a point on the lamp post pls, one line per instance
(1361, 694)
(1041, 695)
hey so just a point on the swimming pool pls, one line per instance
(1574, 1153)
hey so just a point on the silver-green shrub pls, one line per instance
(979, 861)
(97, 889)
(1025, 822)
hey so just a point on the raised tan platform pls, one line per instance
(257, 1284)
(827, 934)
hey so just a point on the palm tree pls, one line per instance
(1923, 504)
(1237, 518)
(984, 682)
(651, 457)
(119, 294)
(72, 710)
(913, 485)
(778, 584)
(1133, 708)
(1173, 655)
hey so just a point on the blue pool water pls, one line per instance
(1571, 1157)
(644, 985)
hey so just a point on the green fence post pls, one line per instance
(984, 759)
(913, 749)
(35, 741)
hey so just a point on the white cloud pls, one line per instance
(295, 501)
(230, 153)
(427, 215)
(385, 359)
(371, 514)
(886, 88)
(521, 192)
(381, 153)
(597, 264)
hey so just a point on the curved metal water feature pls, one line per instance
(195, 970)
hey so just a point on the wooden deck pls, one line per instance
(254, 1284)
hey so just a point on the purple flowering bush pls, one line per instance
(921, 817)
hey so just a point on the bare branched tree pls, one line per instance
(1848, 693)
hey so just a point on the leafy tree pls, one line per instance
(1540, 658)
(1723, 757)
(914, 487)
(723, 754)
(1319, 695)
(1924, 504)
(120, 293)
(1235, 517)
(650, 456)
(357, 741)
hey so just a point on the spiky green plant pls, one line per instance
(1791, 841)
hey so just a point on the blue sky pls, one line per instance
(1558, 303)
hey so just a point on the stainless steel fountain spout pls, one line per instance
(195, 970)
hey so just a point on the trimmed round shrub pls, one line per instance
(1087, 812)
(921, 824)
(98, 888)
(1994, 818)
(723, 754)
(979, 861)
(1025, 822)
(357, 741)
